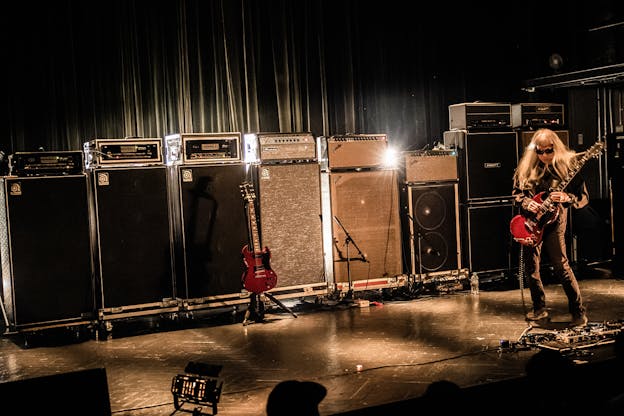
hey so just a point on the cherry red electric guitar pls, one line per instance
(259, 277)
(528, 230)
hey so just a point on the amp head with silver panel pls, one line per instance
(203, 148)
(123, 152)
(286, 147)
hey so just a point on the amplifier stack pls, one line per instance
(431, 230)
(487, 148)
(364, 201)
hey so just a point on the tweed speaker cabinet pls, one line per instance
(290, 221)
(366, 203)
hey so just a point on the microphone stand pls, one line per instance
(349, 240)
(421, 237)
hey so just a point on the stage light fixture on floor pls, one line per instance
(199, 385)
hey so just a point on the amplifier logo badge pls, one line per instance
(187, 175)
(103, 179)
(495, 165)
(16, 189)
(265, 174)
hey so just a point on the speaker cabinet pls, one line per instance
(615, 160)
(290, 221)
(524, 138)
(214, 229)
(134, 231)
(366, 204)
(83, 392)
(486, 162)
(46, 251)
(434, 227)
(487, 240)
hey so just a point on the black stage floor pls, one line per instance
(367, 356)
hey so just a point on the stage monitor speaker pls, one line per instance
(82, 392)
(434, 227)
(46, 251)
(290, 221)
(487, 161)
(135, 258)
(214, 229)
(487, 241)
(524, 138)
(366, 203)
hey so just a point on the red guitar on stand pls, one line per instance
(259, 277)
(528, 230)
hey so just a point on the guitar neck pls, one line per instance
(253, 226)
(576, 167)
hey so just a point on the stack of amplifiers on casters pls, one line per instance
(365, 222)
(133, 228)
(432, 221)
(47, 278)
(288, 181)
(210, 223)
(487, 157)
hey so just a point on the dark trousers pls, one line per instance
(553, 242)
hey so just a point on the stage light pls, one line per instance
(251, 152)
(391, 158)
(199, 385)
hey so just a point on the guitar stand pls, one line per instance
(256, 310)
(279, 303)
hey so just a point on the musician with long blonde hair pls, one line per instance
(545, 163)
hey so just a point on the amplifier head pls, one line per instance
(430, 167)
(281, 147)
(123, 152)
(480, 116)
(356, 151)
(536, 115)
(46, 163)
(203, 148)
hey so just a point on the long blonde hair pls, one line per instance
(529, 171)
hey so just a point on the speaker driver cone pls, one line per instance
(430, 210)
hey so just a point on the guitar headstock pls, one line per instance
(248, 191)
(595, 150)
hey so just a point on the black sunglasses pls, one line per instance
(546, 151)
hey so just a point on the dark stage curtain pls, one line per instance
(78, 70)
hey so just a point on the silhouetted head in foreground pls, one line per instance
(442, 396)
(292, 397)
